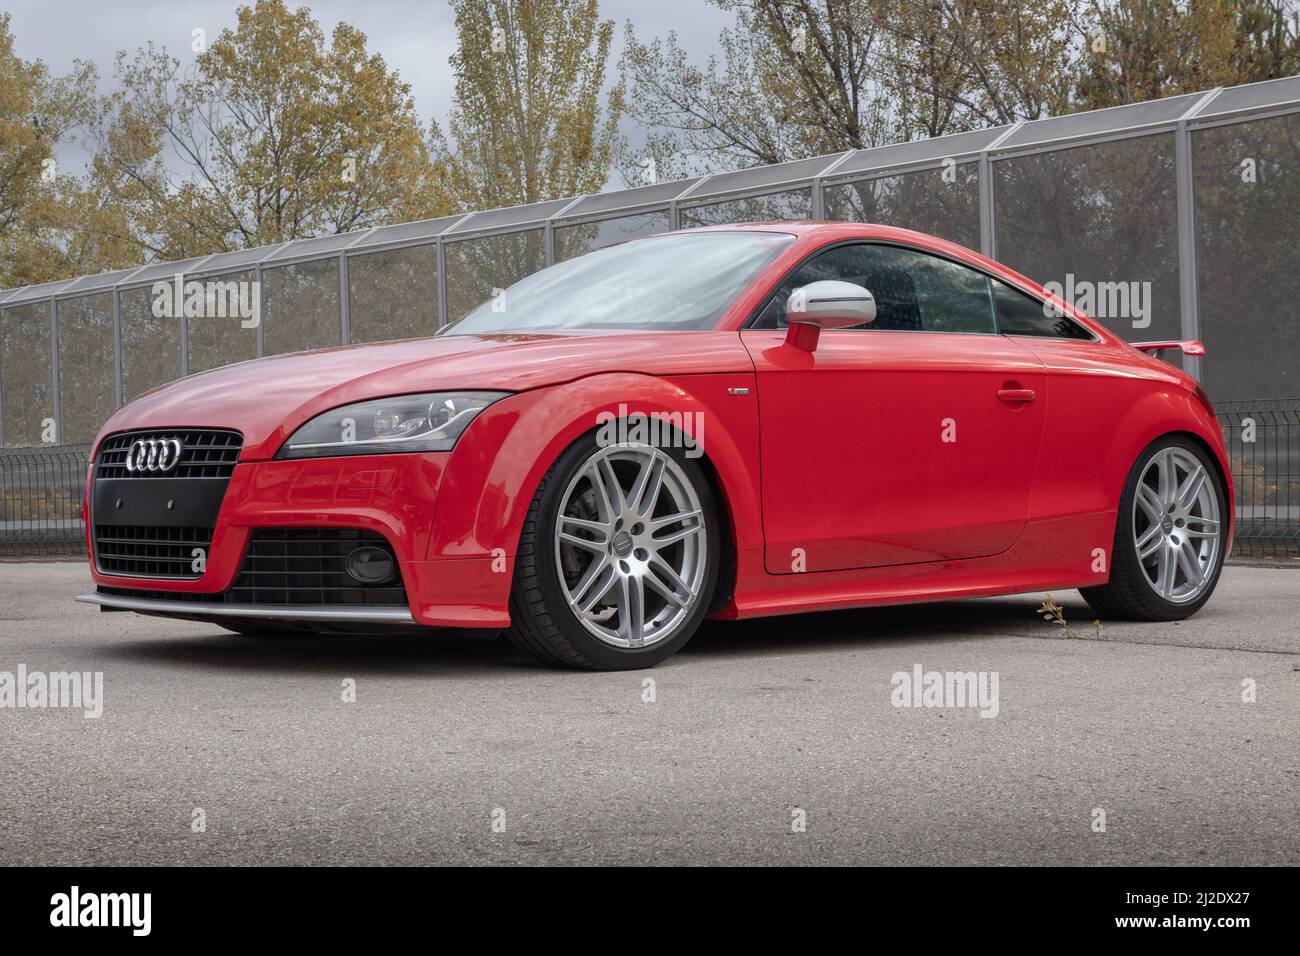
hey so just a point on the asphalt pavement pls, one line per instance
(783, 740)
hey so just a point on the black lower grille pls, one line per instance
(150, 551)
(307, 566)
(288, 567)
(180, 597)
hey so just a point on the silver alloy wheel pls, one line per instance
(1176, 525)
(630, 545)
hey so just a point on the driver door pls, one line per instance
(907, 440)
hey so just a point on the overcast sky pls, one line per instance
(415, 37)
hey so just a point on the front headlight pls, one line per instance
(431, 421)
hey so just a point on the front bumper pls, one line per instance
(392, 495)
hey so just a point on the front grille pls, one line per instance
(205, 453)
(146, 551)
(150, 529)
(287, 567)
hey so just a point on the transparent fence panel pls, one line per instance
(26, 372)
(794, 204)
(300, 306)
(1247, 191)
(151, 345)
(393, 294)
(221, 336)
(944, 202)
(477, 266)
(1100, 220)
(87, 368)
(574, 240)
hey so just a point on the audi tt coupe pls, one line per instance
(729, 422)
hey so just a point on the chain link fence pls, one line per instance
(41, 489)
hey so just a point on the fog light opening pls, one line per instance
(371, 565)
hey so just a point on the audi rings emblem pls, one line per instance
(157, 455)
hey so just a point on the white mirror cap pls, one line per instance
(831, 304)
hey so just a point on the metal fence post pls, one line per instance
(117, 348)
(345, 313)
(261, 310)
(548, 230)
(988, 236)
(1188, 292)
(441, 257)
(819, 187)
(54, 369)
(185, 332)
(988, 217)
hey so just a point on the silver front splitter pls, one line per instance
(369, 615)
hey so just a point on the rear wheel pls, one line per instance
(1169, 536)
(618, 557)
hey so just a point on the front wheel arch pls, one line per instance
(493, 473)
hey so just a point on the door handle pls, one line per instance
(1017, 394)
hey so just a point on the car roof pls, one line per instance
(831, 231)
(805, 227)
(819, 232)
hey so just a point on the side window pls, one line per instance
(1020, 314)
(914, 291)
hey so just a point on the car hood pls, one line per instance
(267, 399)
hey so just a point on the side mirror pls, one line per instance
(828, 304)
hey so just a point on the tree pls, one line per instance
(1268, 38)
(795, 79)
(1008, 61)
(276, 135)
(527, 123)
(38, 202)
(1144, 49)
(801, 78)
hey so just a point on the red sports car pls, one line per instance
(730, 422)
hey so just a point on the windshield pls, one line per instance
(681, 282)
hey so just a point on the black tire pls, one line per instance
(543, 624)
(1129, 595)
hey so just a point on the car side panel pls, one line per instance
(1108, 403)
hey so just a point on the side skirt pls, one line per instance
(1054, 554)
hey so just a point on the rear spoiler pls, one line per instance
(1188, 346)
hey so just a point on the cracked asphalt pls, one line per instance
(753, 727)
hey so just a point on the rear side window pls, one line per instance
(914, 291)
(1020, 314)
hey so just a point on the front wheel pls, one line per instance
(1169, 536)
(618, 557)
